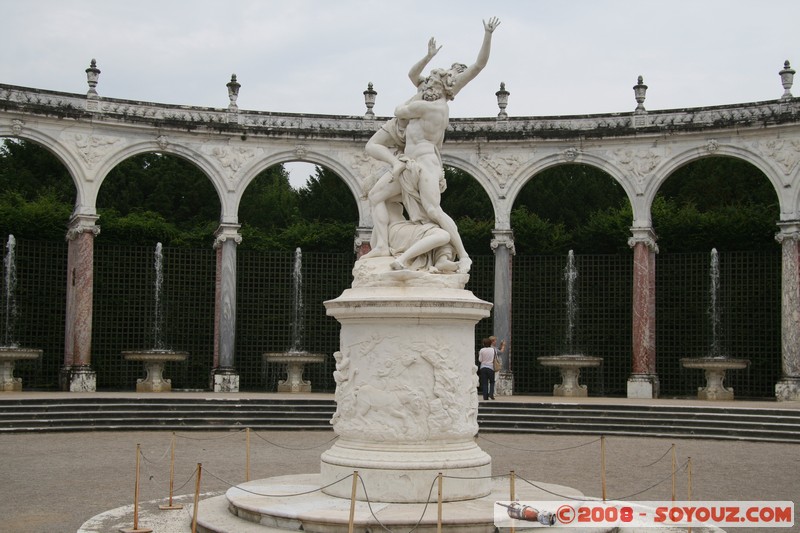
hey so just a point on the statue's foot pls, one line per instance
(397, 265)
(464, 265)
(445, 265)
(377, 252)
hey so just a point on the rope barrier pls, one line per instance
(237, 487)
(358, 479)
(657, 460)
(537, 451)
(294, 448)
(211, 438)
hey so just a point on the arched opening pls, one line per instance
(147, 199)
(583, 209)
(726, 204)
(37, 196)
(319, 218)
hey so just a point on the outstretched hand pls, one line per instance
(432, 48)
(493, 23)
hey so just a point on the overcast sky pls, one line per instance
(556, 57)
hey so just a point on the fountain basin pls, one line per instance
(9, 355)
(154, 361)
(295, 361)
(570, 368)
(715, 368)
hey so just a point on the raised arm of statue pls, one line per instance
(415, 74)
(483, 57)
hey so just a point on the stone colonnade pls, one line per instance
(92, 134)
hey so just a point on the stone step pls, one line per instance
(132, 414)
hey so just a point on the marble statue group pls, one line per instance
(410, 142)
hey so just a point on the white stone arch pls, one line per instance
(63, 154)
(177, 149)
(528, 173)
(315, 158)
(690, 155)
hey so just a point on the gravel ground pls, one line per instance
(54, 482)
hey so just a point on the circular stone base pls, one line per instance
(259, 502)
(405, 474)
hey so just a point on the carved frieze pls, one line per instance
(230, 158)
(94, 148)
(406, 398)
(639, 163)
(500, 166)
(785, 152)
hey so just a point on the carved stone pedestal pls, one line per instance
(570, 368)
(295, 362)
(8, 357)
(715, 368)
(406, 394)
(154, 361)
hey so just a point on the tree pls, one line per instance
(269, 202)
(163, 184)
(326, 197)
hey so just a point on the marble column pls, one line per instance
(361, 243)
(643, 381)
(503, 246)
(788, 388)
(224, 377)
(77, 374)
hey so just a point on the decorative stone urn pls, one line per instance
(8, 356)
(570, 368)
(715, 368)
(154, 361)
(295, 361)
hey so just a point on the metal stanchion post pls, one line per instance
(247, 460)
(512, 495)
(603, 465)
(171, 506)
(353, 502)
(674, 466)
(196, 497)
(439, 518)
(136, 528)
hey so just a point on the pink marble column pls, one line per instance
(77, 375)
(788, 388)
(643, 382)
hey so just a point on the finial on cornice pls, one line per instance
(369, 100)
(92, 75)
(639, 91)
(787, 78)
(502, 100)
(233, 92)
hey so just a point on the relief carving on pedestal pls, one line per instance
(416, 396)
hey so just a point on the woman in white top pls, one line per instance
(486, 369)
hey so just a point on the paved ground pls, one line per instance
(54, 482)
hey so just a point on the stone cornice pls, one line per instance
(28, 101)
